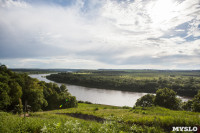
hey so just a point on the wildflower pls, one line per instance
(44, 129)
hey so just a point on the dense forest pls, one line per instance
(185, 83)
(18, 90)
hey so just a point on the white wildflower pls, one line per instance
(44, 129)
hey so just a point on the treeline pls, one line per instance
(41, 71)
(132, 81)
(18, 90)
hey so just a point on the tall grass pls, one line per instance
(117, 120)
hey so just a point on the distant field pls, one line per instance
(185, 83)
(99, 118)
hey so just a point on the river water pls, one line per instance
(100, 96)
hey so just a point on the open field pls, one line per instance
(99, 118)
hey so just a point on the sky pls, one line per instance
(96, 34)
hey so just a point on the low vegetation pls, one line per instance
(114, 119)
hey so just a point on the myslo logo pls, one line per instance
(193, 129)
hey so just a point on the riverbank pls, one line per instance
(100, 96)
(99, 118)
(185, 83)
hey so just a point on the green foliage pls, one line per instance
(19, 107)
(145, 101)
(63, 88)
(187, 105)
(185, 83)
(95, 109)
(167, 98)
(126, 107)
(139, 120)
(34, 96)
(5, 100)
(18, 89)
(196, 103)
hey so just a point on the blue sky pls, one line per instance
(92, 34)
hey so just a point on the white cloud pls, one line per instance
(102, 35)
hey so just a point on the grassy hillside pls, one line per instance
(99, 118)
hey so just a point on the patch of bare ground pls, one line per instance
(84, 116)
(26, 115)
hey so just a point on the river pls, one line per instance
(100, 96)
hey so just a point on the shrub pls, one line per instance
(126, 107)
(167, 98)
(145, 101)
(88, 102)
(95, 109)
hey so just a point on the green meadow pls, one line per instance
(99, 118)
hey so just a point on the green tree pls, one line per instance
(56, 88)
(145, 101)
(167, 98)
(5, 99)
(72, 102)
(15, 92)
(63, 88)
(196, 103)
(188, 105)
(34, 96)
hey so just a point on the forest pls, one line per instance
(184, 83)
(18, 90)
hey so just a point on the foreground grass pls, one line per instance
(116, 119)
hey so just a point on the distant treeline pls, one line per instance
(41, 71)
(185, 83)
(18, 89)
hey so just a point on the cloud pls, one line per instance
(99, 34)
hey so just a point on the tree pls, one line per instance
(167, 98)
(196, 103)
(145, 101)
(63, 88)
(188, 105)
(5, 100)
(56, 88)
(35, 96)
(15, 92)
(72, 102)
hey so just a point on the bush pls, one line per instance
(126, 107)
(95, 109)
(88, 102)
(80, 101)
(167, 98)
(145, 101)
